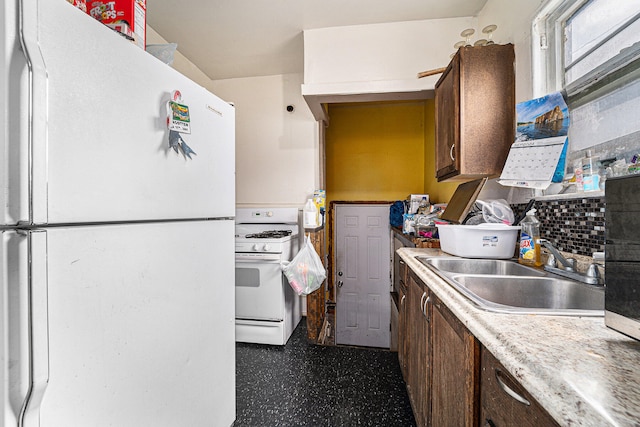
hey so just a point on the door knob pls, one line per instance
(340, 283)
(340, 273)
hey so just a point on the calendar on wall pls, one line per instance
(533, 163)
(537, 157)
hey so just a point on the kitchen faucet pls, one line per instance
(591, 276)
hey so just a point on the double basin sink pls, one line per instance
(508, 287)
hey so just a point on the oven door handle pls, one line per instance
(274, 258)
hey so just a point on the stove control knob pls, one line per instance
(266, 247)
(256, 247)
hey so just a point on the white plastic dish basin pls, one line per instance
(495, 241)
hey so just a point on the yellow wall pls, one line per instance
(375, 151)
(439, 192)
(383, 151)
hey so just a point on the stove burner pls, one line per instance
(270, 234)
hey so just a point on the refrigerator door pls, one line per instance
(140, 326)
(98, 137)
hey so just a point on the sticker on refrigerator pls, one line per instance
(178, 121)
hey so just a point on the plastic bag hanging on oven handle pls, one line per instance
(305, 272)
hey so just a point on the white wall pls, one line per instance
(390, 51)
(277, 153)
(344, 58)
(514, 18)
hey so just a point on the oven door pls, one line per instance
(260, 287)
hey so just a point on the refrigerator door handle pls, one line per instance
(38, 326)
(37, 103)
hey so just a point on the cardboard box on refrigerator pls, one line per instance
(80, 4)
(128, 17)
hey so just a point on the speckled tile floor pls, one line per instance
(301, 384)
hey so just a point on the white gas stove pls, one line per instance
(267, 309)
(268, 241)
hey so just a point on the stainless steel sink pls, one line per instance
(508, 287)
(481, 266)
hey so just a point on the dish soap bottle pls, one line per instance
(310, 215)
(530, 240)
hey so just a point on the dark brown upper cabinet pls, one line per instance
(475, 113)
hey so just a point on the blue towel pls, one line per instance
(395, 214)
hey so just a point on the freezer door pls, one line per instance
(140, 326)
(14, 81)
(100, 142)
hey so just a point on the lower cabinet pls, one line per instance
(441, 361)
(403, 329)
(455, 359)
(503, 400)
(403, 324)
(451, 379)
(417, 380)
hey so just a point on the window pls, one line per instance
(590, 50)
(599, 33)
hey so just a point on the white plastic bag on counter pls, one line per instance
(305, 272)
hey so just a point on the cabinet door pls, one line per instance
(475, 113)
(503, 400)
(455, 360)
(448, 121)
(419, 351)
(399, 271)
(403, 340)
(403, 270)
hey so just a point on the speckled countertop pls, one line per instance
(582, 372)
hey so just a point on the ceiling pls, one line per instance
(248, 38)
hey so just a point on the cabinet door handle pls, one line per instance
(424, 309)
(453, 159)
(424, 294)
(402, 299)
(489, 423)
(509, 390)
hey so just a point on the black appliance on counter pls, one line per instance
(622, 255)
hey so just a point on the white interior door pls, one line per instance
(363, 261)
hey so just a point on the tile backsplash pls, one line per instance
(571, 225)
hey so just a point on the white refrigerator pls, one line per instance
(117, 254)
